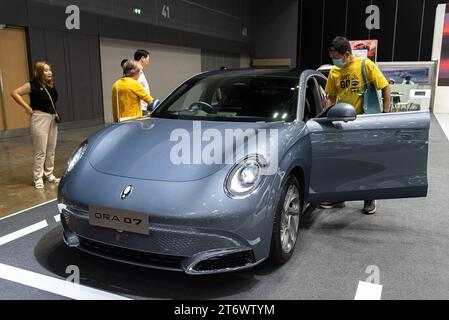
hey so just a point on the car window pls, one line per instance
(312, 101)
(307, 110)
(189, 97)
(240, 98)
(322, 94)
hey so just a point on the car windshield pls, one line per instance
(227, 98)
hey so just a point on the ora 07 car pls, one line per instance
(191, 188)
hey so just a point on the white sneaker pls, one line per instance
(52, 179)
(332, 205)
(370, 207)
(39, 184)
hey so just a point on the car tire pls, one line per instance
(291, 201)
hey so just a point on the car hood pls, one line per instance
(143, 149)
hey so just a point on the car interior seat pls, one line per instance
(235, 98)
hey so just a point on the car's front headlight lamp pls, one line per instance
(76, 157)
(245, 177)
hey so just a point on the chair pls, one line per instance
(414, 107)
(396, 97)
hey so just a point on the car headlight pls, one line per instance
(245, 177)
(76, 157)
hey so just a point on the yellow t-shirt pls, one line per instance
(347, 83)
(126, 96)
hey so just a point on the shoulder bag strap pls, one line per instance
(365, 81)
(51, 100)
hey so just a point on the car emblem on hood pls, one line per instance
(126, 192)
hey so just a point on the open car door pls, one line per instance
(380, 156)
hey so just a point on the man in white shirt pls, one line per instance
(142, 56)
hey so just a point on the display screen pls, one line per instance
(420, 93)
(409, 76)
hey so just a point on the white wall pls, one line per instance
(441, 104)
(169, 67)
(245, 61)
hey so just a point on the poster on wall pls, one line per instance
(443, 79)
(365, 49)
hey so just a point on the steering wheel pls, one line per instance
(204, 106)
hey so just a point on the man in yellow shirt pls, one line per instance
(345, 81)
(345, 84)
(127, 93)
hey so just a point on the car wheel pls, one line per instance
(286, 222)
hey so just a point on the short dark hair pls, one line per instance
(123, 62)
(340, 45)
(141, 53)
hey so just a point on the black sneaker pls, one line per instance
(332, 205)
(370, 207)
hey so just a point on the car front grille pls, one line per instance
(135, 257)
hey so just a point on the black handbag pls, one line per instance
(57, 118)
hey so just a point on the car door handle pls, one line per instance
(406, 133)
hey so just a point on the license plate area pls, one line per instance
(118, 219)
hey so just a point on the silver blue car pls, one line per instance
(217, 179)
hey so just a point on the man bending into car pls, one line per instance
(345, 84)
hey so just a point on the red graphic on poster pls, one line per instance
(365, 49)
(443, 79)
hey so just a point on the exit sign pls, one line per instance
(137, 11)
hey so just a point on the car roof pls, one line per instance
(285, 73)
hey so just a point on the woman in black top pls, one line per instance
(44, 128)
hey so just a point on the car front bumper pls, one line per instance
(190, 250)
(194, 226)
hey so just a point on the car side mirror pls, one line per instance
(341, 112)
(155, 103)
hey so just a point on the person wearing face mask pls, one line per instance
(345, 81)
(43, 122)
(345, 84)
